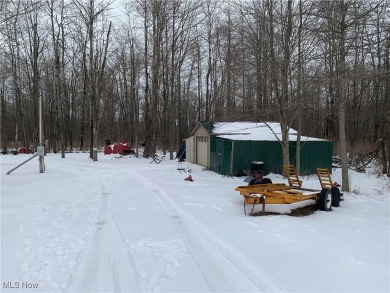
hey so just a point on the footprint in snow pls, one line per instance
(158, 260)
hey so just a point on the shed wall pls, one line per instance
(314, 154)
(268, 152)
(228, 157)
(220, 155)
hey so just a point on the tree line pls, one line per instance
(149, 74)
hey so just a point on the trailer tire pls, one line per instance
(325, 200)
(335, 196)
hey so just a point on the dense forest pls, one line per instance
(148, 70)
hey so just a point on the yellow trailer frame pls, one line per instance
(281, 193)
(275, 194)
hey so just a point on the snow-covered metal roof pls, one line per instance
(255, 131)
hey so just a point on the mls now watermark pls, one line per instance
(20, 285)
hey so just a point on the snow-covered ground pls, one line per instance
(125, 225)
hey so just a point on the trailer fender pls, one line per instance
(335, 196)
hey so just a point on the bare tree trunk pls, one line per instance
(172, 92)
(58, 40)
(34, 50)
(94, 71)
(384, 158)
(92, 83)
(342, 101)
(199, 88)
(283, 95)
(84, 96)
(133, 98)
(148, 124)
(210, 25)
(3, 119)
(230, 108)
(14, 45)
(299, 92)
(386, 105)
(158, 26)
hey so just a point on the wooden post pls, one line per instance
(95, 154)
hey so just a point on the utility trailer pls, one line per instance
(281, 193)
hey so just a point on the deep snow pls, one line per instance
(125, 225)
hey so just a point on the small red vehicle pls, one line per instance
(122, 148)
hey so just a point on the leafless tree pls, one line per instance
(320, 67)
(97, 60)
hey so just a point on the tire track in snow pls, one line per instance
(105, 265)
(223, 268)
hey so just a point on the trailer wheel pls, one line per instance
(335, 196)
(325, 200)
